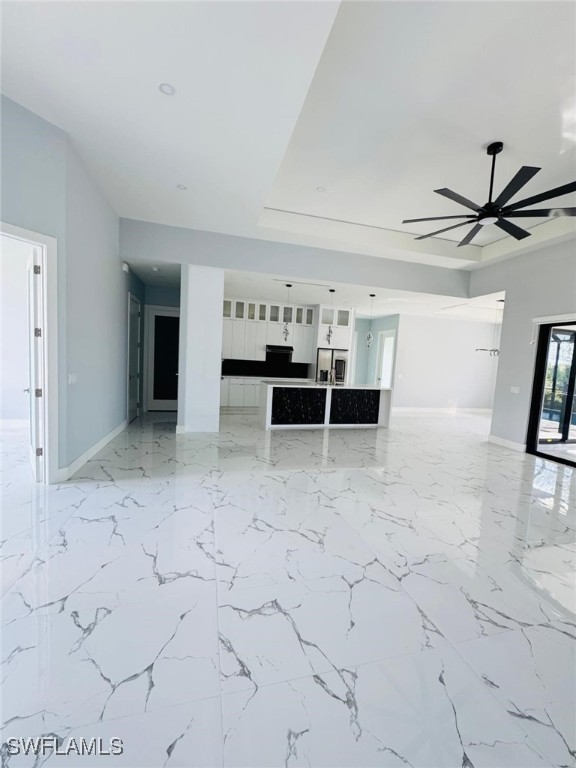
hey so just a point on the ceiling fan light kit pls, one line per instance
(497, 211)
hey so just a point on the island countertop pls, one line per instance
(313, 405)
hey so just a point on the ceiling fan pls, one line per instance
(496, 211)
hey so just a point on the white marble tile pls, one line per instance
(95, 659)
(531, 673)
(426, 709)
(291, 630)
(329, 584)
(184, 736)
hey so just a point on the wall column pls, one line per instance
(200, 353)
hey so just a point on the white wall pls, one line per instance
(537, 284)
(200, 353)
(437, 365)
(14, 341)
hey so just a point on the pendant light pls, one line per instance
(330, 332)
(370, 335)
(286, 330)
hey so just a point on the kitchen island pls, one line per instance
(287, 405)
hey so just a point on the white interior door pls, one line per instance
(134, 313)
(385, 359)
(162, 330)
(36, 356)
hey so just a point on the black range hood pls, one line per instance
(278, 349)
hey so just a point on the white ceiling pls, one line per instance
(378, 102)
(250, 285)
(408, 94)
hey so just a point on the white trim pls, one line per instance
(150, 311)
(49, 261)
(398, 409)
(569, 317)
(66, 472)
(506, 443)
(133, 297)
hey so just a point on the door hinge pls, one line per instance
(39, 452)
(37, 332)
(36, 269)
(38, 392)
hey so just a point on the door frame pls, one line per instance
(543, 330)
(46, 257)
(133, 297)
(386, 333)
(150, 312)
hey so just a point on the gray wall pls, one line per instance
(537, 284)
(158, 242)
(45, 188)
(366, 357)
(96, 313)
(136, 286)
(162, 296)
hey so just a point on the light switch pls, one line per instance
(515, 390)
(71, 378)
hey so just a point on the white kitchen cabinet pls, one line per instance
(240, 310)
(261, 334)
(304, 345)
(250, 341)
(274, 313)
(224, 391)
(262, 312)
(343, 317)
(309, 316)
(236, 397)
(251, 310)
(327, 316)
(274, 335)
(227, 308)
(227, 338)
(238, 339)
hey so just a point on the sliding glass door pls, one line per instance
(552, 430)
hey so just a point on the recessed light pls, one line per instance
(181, 186)
(154, 269)
(320, 189)
(167, 89)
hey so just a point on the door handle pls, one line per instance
(26, 390)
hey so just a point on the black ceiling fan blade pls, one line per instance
(439, 218)
(457, 198)
(516, 183)
(563, 190)
(471, 235)
(543, 212)
(512, 229)
(438, 231)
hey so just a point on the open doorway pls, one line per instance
(552, 425)
(162, 330)
(28, 362)
(385, 357)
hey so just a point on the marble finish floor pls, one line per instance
(360, 598)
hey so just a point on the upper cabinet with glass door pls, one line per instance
(258, 311)
(334, 316)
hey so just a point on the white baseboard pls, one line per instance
(65, 473)
(506, 443)
(408, 409)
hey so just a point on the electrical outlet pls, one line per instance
(71, 378)
(515, 390)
